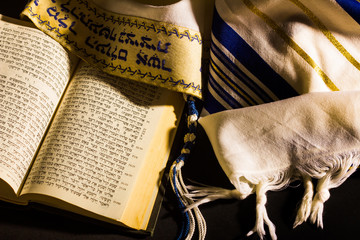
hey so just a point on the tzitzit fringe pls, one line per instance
(330, 173)
(193, 218)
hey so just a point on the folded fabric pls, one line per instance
(263, 52)
(265, 147)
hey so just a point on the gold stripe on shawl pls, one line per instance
(291, 43)
(327, 33)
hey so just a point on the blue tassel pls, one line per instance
(185, 216)
(187, 229)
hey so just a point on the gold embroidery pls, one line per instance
(135, 48)
(291, 43)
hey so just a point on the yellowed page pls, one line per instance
(140, 205)
(98, 141)
(34, 71)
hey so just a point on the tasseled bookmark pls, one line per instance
(191, 218)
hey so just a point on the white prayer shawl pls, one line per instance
(265, 51)
(261, 148)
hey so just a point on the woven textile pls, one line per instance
(264, 51)
(282, 100)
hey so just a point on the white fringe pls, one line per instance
(261, 213)
(195, 216)
(208, 194)
(305, 207)
(339, 169)
(330, 171)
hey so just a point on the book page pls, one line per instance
(98, 141)
(34, 71)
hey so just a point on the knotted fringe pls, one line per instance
(305, 207)
(244, 187)
(192, 217)
(261, 213)
(330, 172)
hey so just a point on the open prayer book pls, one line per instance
(76, 138)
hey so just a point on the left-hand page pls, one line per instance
(34, 72)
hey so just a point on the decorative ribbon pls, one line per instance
(135, 48)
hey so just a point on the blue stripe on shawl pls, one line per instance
(240, 92)
(225, 96)
(212, 105)
(240, 74)
(352, 7)
(250, 59)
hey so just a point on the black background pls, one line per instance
(226, 219)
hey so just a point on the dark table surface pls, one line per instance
(226, 219)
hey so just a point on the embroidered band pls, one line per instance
(140, 49)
